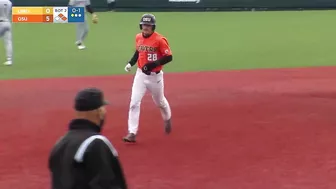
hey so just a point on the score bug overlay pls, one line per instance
(60, 14)
(48, 14)
(76, 14)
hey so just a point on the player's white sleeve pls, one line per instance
(88, 2)
(72, 2)
(9, 10)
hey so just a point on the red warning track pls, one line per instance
(258, 129)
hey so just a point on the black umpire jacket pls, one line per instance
(84, 159)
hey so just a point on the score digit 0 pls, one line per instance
(47, 10)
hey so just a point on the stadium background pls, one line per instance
(192, 5)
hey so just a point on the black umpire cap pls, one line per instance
(89, 99)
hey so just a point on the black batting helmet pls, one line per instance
(148, 19)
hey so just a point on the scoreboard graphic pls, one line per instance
(48, 14)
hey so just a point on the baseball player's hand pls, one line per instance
(147, 68)
(94, 18)
(128, 67)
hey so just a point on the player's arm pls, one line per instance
(133, 61)
(88, 7)
(71, 3)
(104, 166)
(91, 11)
(165, 59)
(165, 51)
(9, 10)
(134, 58)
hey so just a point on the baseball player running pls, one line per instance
(6, 29)
(152, 53)
(83, 28)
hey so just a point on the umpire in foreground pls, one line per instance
(83, 158)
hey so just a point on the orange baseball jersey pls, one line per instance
(151, 49)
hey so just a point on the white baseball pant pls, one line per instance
(6, 34)
(155, 85)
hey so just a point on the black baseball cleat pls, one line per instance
(129, 138)
(168, 126)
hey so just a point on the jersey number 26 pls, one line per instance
(151, 57)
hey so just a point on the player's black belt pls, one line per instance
(149, 73)
(2, 20)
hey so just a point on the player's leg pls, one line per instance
(81, 33)
(138, 92)
(6, 33)
(156, 87)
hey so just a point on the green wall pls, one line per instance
(227, 3)
(96, 3)
(192, 4)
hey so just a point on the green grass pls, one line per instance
(200, 41)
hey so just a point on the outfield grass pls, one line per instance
(200, 41)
